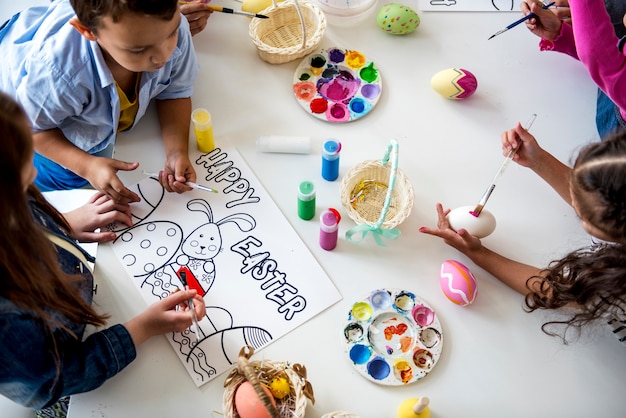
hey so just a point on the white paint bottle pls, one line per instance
(284, 144)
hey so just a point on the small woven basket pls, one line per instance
(294, 29)
(375, 190)
(260, 373)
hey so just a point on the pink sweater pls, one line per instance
(592, 40)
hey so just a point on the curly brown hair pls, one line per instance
(91, 12)
(591, 279)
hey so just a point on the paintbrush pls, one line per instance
(483, 200)
(517, 22)
(188, 183)
(196, 328)
(227, 10)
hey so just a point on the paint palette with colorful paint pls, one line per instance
(337, 85)
(392, 337)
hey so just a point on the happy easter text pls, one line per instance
(221, 169)
(273, 282)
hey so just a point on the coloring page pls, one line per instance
(470, 5)
(258, 279)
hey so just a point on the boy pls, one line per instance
(86, 70)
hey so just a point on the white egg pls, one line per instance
(480, 226)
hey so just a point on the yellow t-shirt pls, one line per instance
(128, 109)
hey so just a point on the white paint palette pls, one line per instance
(392, 337)
(337, 85)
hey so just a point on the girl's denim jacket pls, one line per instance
(30, 373)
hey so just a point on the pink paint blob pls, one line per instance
(423, 315)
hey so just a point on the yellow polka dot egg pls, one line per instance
(397, 19)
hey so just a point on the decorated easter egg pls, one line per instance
(457, 283)
(397, 19)
(454, 83)
(480, 226)
(248, 404)
(280, 387)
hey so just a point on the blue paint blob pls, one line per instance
(380, 299)
(357, 105)
(360, 353)
(378, 368)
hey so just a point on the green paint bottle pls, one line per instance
(306, 200)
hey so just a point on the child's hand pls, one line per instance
(546, 24)
(528, 150)
(99, 211)
(178, 170)
(162, 317)
(197, 15)
(561, 10)
(462, 240)
(103, 176)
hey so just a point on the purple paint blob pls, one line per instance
(342, 87)
(381, 299)
(378, 368)
(360, 353)
(370, 91)
(336, 55)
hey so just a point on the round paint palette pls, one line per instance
(392, 337)
(337, 85)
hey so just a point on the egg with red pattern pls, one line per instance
(454, 83)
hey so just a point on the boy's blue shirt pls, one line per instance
(62, 80)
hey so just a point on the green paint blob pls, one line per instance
(369, 73)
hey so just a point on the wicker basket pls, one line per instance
(262, 373)
(294, 29)
(377, 196)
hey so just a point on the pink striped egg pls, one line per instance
(457, 283)
(454, 83)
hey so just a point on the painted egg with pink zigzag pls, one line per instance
(454, 83)
(458, 283)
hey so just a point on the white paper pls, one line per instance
(470, 5)
(258, 279)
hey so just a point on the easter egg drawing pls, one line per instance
(454, 83)
(457, 283)
(397, 19)
(480, 226)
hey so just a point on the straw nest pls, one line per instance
(261, 373)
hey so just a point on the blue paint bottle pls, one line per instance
(330, 159)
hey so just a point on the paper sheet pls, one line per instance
(258, 279)
(470, 5)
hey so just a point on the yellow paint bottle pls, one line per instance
(203, 128)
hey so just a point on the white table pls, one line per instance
(496, 361)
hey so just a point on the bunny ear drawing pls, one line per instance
(243, 221)
(200, 205)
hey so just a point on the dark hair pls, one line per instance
(591, 279)
(91, 12)
(29, 270)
